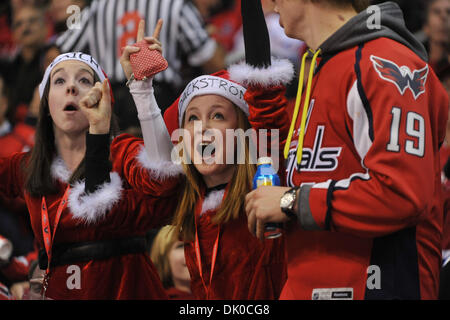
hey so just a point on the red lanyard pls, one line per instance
(198, 210)
(46, 232)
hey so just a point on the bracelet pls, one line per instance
(130, 80)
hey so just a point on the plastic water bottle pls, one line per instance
(267, 176)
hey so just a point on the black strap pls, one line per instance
(216, 188)
(97, 164)
(72, 253)
(256, 35)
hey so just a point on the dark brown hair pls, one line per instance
(38, 178)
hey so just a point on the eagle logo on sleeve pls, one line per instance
(402, 76)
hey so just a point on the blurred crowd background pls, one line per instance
(31, 33)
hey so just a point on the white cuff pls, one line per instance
(212, 201)
(445, 257)
(90, 208)
(281, 72)
(144, 99)
(159, 170)
(6, 249)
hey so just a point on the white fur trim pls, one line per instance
(445, 257)
(22, 260)
(59, 170)
(212, 201)
(90, 208)
(280, 72)
(159, 170)
(6, 249)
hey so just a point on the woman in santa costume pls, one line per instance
(224, 260)
(89, 226)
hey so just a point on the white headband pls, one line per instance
(79, 56)
(212, 85)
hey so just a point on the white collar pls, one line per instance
(212, 201)
(59, 170)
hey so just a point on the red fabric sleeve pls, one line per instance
(126, 152)
(140, 212)
(11, 176)
(268, 111)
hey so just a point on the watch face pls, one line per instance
(286, 200)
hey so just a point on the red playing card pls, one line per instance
(146, 62)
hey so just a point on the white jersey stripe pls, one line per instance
(357, 113)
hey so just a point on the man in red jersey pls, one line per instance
(362, 217)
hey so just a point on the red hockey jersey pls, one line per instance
(369, 223)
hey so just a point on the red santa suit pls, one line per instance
(242, 267)
(369, 224)
(91, 233)
(110, 214)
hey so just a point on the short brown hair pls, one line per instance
(358, 5)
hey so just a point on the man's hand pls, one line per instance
(96, 106)
(154, 44)
(262, 205)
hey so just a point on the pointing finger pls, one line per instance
(141, 30)
(106, 91)
(158, 29)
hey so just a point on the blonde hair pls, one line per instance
(232, 205)
(159, 254)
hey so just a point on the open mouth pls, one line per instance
(71, 107)
(206, 149)
(26, 32)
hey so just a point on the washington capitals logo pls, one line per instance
(402, 76)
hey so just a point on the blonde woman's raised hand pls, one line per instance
(153, 41)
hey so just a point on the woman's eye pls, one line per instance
(85, 81)
(192, 118)
(59, 81)
(218, 116)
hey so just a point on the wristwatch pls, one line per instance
(287, 202)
